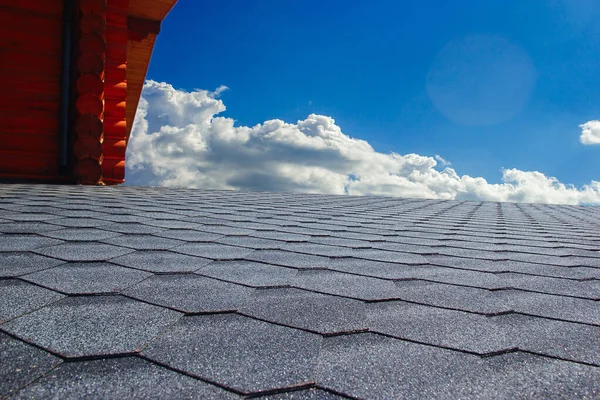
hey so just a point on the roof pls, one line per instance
(129, 292)
(139, 52)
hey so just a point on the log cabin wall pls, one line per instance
(67, 105)
(30, 70)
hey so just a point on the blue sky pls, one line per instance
(485, 84)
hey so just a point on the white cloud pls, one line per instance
(590, 132)
(179, 140)
(441, 160)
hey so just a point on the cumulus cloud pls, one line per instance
(179, 140)
(590, 132)
(441, 160)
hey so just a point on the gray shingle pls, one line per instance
(190, 293)
(552, 306)
(307, 310)
(25, 242)
(21, 364)
(564, 340)
(440, 327)
(389, 256)
(385, 270)
(451, 296)
(122, 227)
(188, 235)
(120, 378)
(249, 273)
(87, 278)
(29, 216)
(308, 394)
(83, 251)
(214, 251)
(27, 227)
(288, 259)
(251, 242)
(90, 326)
(341, 284)
(318, 249)
(18, 298)
(21, 263)
(356, 364)
(81, 234)
(144, 242)
(161, 261)
(228, 349)
(446, 274)
(78, 222)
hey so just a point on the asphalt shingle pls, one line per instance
(21, 263)
(87, 278)
(181, 293)
(190, 293)
(161, 261)
(120, 378)
(92, 325)
(18, 298)
(21, 364)
(238, 352)
(83, 251)
(307, 310)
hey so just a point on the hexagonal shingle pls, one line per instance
(249, 273)
(83, 251)
(27, 227)
(21, 263)
(355, 365)
(307, 310)
(190, 293)
(21, 364)
(238, 352)
(188, 235)
(144, 242)
(122, 378)
(18, 298)
(161, 261)
(10, 243)
(213, 251)
(87, 278)
(92, 325)
(81, 234)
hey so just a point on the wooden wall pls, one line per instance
(30, 65)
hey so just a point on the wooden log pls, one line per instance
(114, 148)
(88, 147)
(43, 144)
(30, 41)
(115, 127)
(91, 64)
(88, 171)
(113, 169)
(27, 61)
(89, 125)
(92, 23)
(90, 104)
(28, 162)
(19, 20)
(22, 124)
(90, 83)
(93, 6)
(92, 43)
(50, 9)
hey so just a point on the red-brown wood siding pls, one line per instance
(115, 124)
(30, 54)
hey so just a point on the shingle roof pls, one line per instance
(131, 292)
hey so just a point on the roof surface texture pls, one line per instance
(131, 292)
